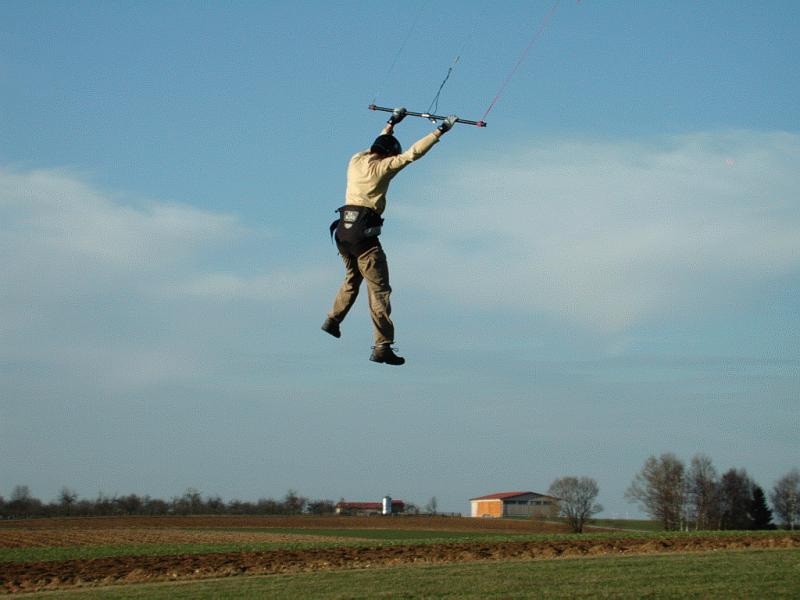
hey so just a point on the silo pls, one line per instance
(387, 505)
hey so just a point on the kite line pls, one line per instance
(435, 102)
(537, 34)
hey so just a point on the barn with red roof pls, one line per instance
(514, 504)
(366, 509)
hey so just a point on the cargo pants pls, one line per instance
(372, 266)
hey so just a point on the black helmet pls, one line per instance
(386, 144)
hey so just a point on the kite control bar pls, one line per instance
(429, 116)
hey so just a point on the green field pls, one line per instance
(753, 574)
(627, 524)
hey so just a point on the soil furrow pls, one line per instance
(17, 577)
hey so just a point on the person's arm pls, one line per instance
(418, 149)
(398, 114)
(446, 126)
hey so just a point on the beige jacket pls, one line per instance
(368, 175)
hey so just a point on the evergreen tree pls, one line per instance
(760, 513)
(736, 498)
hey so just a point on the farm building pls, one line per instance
(514, 504)
(366, 509)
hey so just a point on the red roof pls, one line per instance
(368, 505)
(504, 495)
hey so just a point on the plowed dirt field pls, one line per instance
(437, 523)
(66, 538)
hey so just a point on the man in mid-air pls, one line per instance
(359, 225)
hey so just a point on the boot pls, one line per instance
(384, 354)
(332, 327)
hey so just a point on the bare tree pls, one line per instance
(659, 490)
(702, 491)
(577, 496)
(66, 499)
(103, 505)
(321, 507)
(785, 497)
(130, 504)
(294, 504)
(411, 509)
(432, 506)
(215, 505)
(22, 504)
(21, 493)
(191, 503)
(154, 506)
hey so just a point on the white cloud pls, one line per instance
(122, 290)
(57, 213)
(278, 285)
(607, 234)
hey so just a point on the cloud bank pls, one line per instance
(609, 234)
(123, 290)
(601, 234)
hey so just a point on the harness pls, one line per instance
(356, 230)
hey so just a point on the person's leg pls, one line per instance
(375, 270)
(345, 297)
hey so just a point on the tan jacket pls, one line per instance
(368, 175)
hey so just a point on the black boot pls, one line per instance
(332, 327)
(384, 354)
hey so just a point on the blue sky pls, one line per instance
(609, 270)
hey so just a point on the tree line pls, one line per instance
(697, 497)
(22, 504)
(682, 498)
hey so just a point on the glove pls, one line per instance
(447, 124)
(398, 114)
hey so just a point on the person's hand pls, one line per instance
(398, 114)
(448, 123)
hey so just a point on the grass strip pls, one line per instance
(724, 574)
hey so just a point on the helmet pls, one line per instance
(386, 144)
